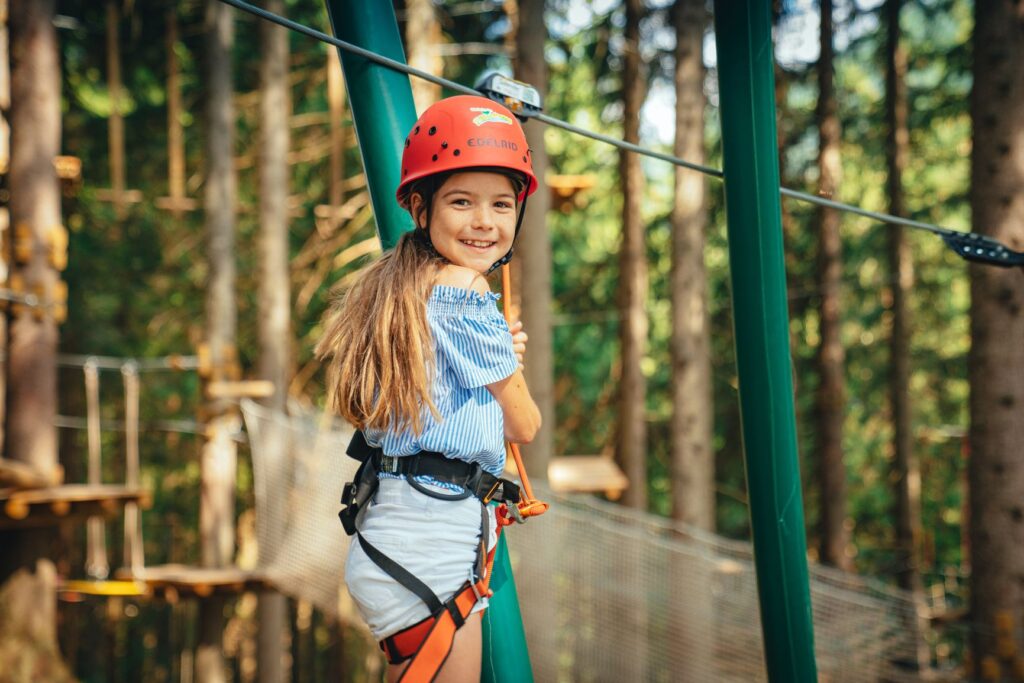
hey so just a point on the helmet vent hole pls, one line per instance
(444, 145)
(405, 171)
(407, 142)
(524, 160)
(433, 129)
(435, 157)
(417, 131)
(457, 152)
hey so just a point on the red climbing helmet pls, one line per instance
(463, 132)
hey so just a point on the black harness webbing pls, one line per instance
(401, 575)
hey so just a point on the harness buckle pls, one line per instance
(389, 464)
(348, 494)
(490, 494)
(473, 586)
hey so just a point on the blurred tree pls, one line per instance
(834, 540)
(423, 50)
(275, 329)
(996, 358)
(28, 576)
(631, 449)
(693, 465)
(219, 456)
(906, 469)
(5, 215)
(534, 246)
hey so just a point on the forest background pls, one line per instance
(136, 273)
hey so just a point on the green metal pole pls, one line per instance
(747, 103)
(383, 111)
(506, 657)
(381, 103)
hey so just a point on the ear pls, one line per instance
(416, 209)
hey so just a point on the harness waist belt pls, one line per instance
(470, 476)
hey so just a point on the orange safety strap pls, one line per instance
(528, 506)
(433, 652)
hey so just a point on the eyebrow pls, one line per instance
(459, 190)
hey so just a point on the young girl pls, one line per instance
(422, 362)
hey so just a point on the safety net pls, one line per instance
(607, 593)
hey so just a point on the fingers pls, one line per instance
(519, 339)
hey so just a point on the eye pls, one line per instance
(460, 201)
(503, 204)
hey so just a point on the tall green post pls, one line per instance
(381, 104)
(383, 111)
(761, 319)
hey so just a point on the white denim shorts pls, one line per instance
(435, 540)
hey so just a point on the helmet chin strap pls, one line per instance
(508, 257)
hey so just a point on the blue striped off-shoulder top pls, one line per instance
(473, 348)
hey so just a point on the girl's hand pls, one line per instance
(519, 340)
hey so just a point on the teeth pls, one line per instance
(474, 243)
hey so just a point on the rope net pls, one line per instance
(608, 594)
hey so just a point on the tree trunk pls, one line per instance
(219, 457)
(5, 216)
(534, 246)
(422, 45)
(632, 427)
(693, 464)
(28, 577)
(830, 401)
(906, 469)
(115, 126)
(274, 300)
(996, 470)
(692, 455)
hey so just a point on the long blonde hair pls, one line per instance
(379, 344)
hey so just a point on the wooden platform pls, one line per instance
(74, 590)
(586, 474)
(173, 582)
(21, 508)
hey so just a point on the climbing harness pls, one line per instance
(428, 642)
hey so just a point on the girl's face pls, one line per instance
(473, 220)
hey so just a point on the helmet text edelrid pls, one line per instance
(492, 142)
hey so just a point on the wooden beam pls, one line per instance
(587, 474)
(21, 508)
(254, 388)
(177, 202)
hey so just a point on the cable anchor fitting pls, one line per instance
(981, 249)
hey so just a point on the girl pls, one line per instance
(424, 365)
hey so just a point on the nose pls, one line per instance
(484, 218)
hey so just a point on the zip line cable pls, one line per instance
(968, 245)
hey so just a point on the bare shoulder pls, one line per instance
(462, 277)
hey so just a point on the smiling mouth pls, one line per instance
(478, 244)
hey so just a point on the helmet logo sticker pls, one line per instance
(489, 116)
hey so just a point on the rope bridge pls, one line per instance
(608, 594)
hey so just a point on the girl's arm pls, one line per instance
(522, 417)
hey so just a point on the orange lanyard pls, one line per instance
(528, 506)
